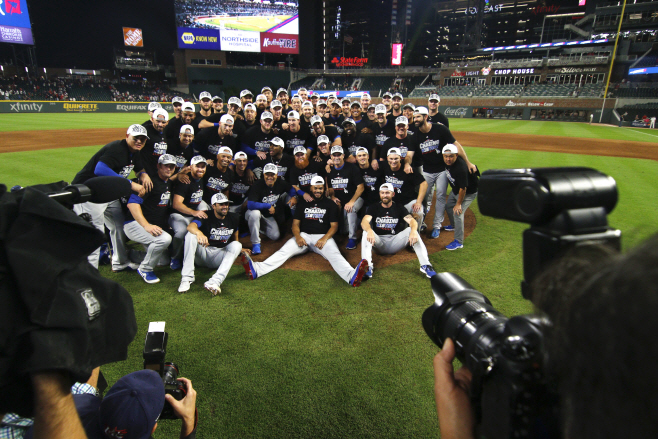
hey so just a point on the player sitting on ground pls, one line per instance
(314, 225)
(385, 228)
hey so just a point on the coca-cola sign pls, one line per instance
(455, 112)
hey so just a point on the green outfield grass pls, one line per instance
(301, 354)
(251, 23)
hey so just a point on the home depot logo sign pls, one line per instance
(132, 37)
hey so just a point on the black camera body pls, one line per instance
(512, 392)
(155, 350)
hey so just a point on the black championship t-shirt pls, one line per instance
(172, 130)
(240, 127)
(439, 118)
(284, 165)
(302, 177)
(381, 135)
(316, 216)
(239, 189)
(329, 131)
(215, 181)
(208, 142)
(262, 193)
(293, 140)
(255, 138)
(117, 156)
(154, 148)
(387, 221)
(459, 177)
(431, 144)
(404, 184)
(352, 143)
(183, 156)
(371, 189)
(155, 204)
(192, 193)
(409, 143)
(219, 231)
(344, 181)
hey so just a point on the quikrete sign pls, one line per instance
(514, 71)
(349, 62)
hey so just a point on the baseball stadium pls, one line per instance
(300, 353)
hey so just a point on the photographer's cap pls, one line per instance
(380, 109)
(218, 198)
(421, 110)
(270, 168)
(317, 180)
(197, 159)
(323, 139)
(137, 130)
(205, 95)
(337, 148)
(315, 119)
(225, 150)
(187, 129)
(266, 115)
(161, 115)
(401, 120)
(167, 159)
(394, 151)
(298, 149)
(133, 405)
(188, 106)
(227, 119)
(293, 115)
(278, 141)
(386, 187)
(450, 149)
(154, 106)
(240, 155)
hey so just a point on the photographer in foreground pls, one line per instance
(600, 347)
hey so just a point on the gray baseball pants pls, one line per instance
(255, 219)
(329, 251)
(421, 215)
(212, 257)
(458, 220)
(351, 219)
(110, 215)
(391, 244)
(155, 245)
(179, 223)
(439, 183)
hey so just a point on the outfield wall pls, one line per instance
(77, 107)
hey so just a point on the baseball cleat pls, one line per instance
(255, 249)
(175, 264)
(248, 265)
(358, 273)
(130, 266)
(423, 227)
(212, 287)
(184, 286)
(149, 277)
(435, 233)
(449, 228)
(368, 274)
(351, 244)
(427, 270)
(454, 245)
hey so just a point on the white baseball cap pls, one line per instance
(275, 103)
(409, 105)
(298, 149)
(217, 98)
(421, 110)
(225, 150)
(262, 97)
(218, 198)
(137, 130)
(397, 95)
(246, 92)
(266, 115)
(337, 148)
(401, 120)
(380, 109)
(197, 159)
(293, 115)
(395, 151)
(386, 187)
(167, 159)
(307, 104)
(240, 155)
(227, 119)
(317, 180)
(250, 106)
(361, 149)
(315, 119)
(356, 104)
(348, 120)
(205, 95)
(278, 141)
(185, 128)
(323, 139)
(450, 149)
(262, 90)
(270, 168)
(161, 114)
(188, 106)
(154, 106)
(434, 97)
(177, 100)
(387, 94)
(322, 102)
(281, 90)
(235, 101)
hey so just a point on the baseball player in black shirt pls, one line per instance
(209, 140)
(211, 242)
(283, 161)
(345, 188)
(352, 140)
(464, 186)
(388, 227)
(381, 131)
(370, 177)
(148, 220)
(218, 178)
(314, 225)
(256, 141)
(155, 145)
(303, 172)
(403, 140)
(434, 116)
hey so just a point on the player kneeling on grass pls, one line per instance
(213, 243)
(314, 225)
(464, 185)
(385, 228)
(150, 215)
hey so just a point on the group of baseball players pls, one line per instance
(213, 174)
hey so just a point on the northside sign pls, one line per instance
(349, 62)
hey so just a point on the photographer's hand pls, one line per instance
(185, 409)
(451, 390)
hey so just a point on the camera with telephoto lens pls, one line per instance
(155, 349)
(512, 392)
